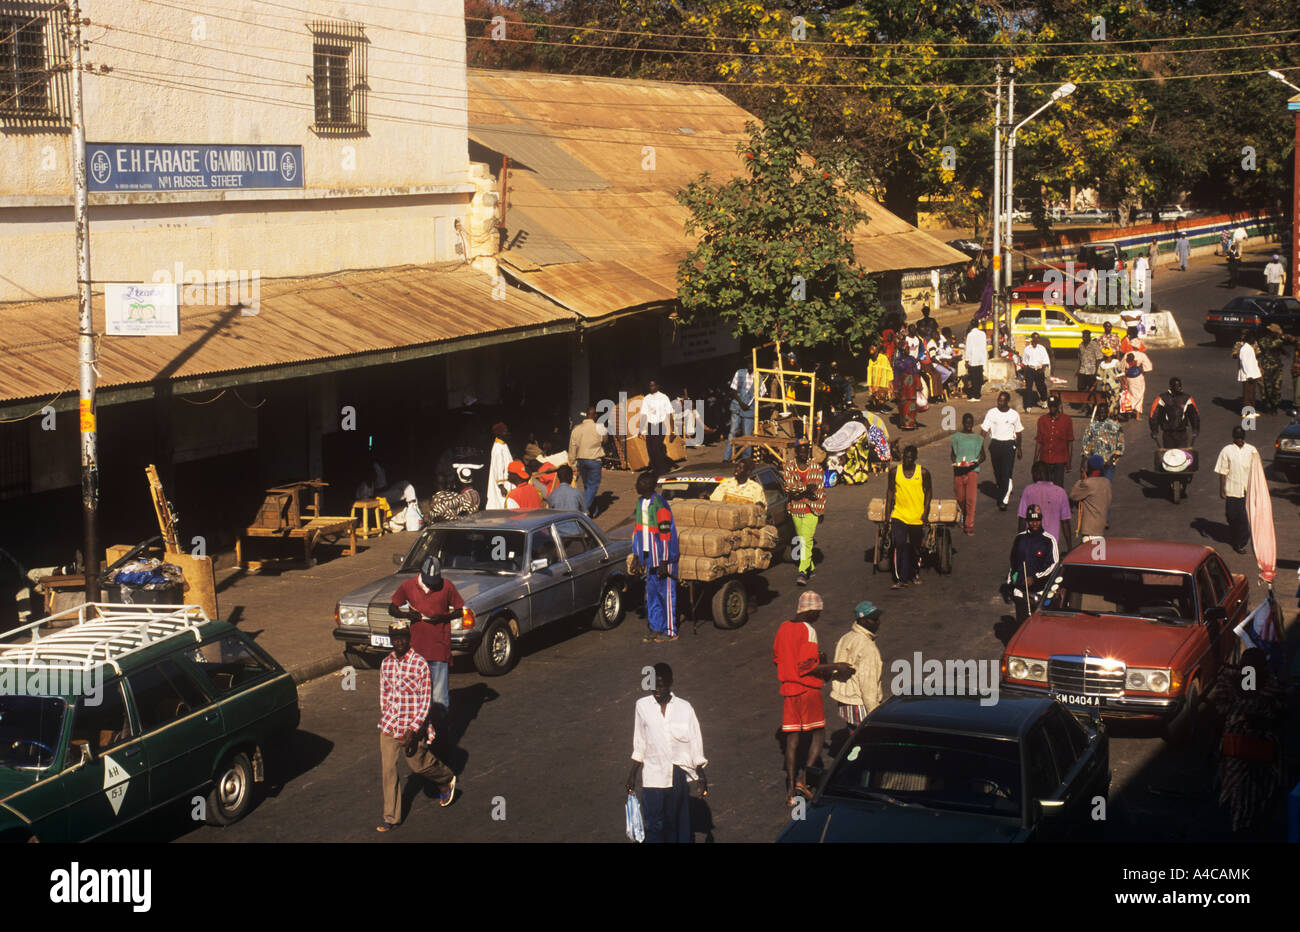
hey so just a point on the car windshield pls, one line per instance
(1114, 590)
(484, 550)
(966, 773)
(29, 730)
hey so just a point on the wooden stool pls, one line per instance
(379, 506)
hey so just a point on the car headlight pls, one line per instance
(1147, 679)
(351, 614)
(1027, 668)
(1290, 444)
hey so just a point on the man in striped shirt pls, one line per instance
(405, 689)
(805, 484)
(654, 541)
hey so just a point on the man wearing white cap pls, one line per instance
(1275, 275)
(801, 669)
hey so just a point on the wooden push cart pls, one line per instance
(936, 543)
(727, 596)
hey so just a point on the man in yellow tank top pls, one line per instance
(907, 502)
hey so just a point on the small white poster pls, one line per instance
(141, 310)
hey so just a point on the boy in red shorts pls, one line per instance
(801, 669)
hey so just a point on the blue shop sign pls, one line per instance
(131, 166)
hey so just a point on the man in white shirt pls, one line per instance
(1141, 266)
(655, 419)
(499, 485)
(976, 354)
(668, 750)
(1248, 373)
(1035, 361)
(1002, 428)
(1275, 275)
(741, 408)
(1234, 468)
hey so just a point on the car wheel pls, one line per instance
(731, 605)
(231, 795)
(362, 659)
(1182, 728)
(610, 611)
(498, 650)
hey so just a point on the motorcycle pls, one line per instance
(1177, 465)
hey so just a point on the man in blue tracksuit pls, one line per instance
(654, 541)
(1034, 556)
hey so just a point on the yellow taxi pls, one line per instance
(1055, 326)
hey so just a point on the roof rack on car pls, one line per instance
(98, 633)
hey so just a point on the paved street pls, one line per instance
(547, 745)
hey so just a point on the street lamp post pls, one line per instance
(1065, 90)
(1294, 105)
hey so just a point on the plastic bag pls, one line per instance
(635, 827)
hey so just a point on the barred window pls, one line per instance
(339, 78)
(33, 47)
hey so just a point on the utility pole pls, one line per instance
(1008, 188)
(86, 327)
(996, 271)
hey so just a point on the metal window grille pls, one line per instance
(339, 78)
(34, 88)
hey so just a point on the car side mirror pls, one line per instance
(538, 564)
(399, 559)
(813, 776)
(1216, 615)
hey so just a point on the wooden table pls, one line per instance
(283, 516)
(778, 447)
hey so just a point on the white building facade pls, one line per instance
(241, 138)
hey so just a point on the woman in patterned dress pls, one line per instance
(909, 380)
(1109, 374)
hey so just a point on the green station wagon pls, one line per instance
(108, 712)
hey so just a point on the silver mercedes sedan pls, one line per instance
(516, 571)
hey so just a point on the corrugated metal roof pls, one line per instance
(600, 252)
(299, 320)
(526, 144)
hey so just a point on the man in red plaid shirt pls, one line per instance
(405, 689)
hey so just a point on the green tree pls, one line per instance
(775, 252)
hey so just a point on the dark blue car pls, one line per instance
(947, 769)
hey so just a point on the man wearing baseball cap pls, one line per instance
(524, 496)
(801, 669)
(1034, 556)
(429, 603)
(404, 691)
(861, 692)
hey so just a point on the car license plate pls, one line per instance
(380, 640)
(1068, 699)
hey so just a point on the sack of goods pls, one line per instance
(725, 516)
(708, 542)
(766, 537)
(706, 569)
(751, 558)
(942, 510)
